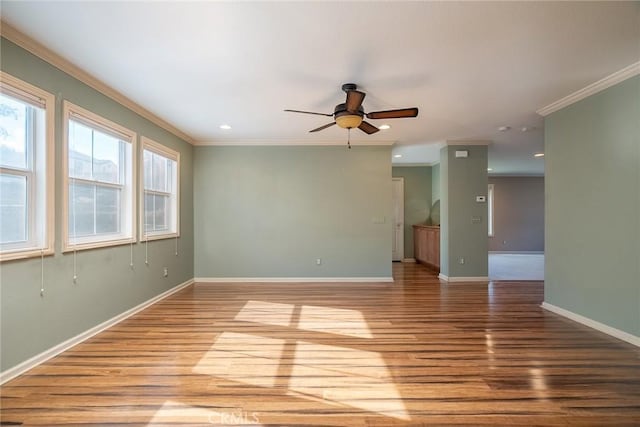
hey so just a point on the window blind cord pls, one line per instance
(131, 261)
(146, 251)
(176, 245)
(41, 272)
(75, 252)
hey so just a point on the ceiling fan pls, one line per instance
(350, 114)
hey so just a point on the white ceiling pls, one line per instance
(470, 67)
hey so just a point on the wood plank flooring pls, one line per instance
(416, 352)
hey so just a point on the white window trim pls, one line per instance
(491, 213)
(8, 81)
(151, 145)
(69, 109)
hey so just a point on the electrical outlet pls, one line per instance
(319, 261)
(461, 260)
(166, 272)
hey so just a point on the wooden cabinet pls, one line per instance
(426, 244)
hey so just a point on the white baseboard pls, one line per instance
(516, 252)
(463, 279)
(291, 279)
(36, 360)
(409, 260)
(617, 333)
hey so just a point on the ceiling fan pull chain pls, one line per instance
(349, 138)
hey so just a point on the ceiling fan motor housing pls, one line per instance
(349, 86)
(347, 119)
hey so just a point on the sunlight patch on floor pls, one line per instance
(334, 321)
(246, 358)
(172, 412)
(335, 375)
(270, 313)
(347, 376)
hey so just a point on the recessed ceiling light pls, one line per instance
(489, 169)
(384, 127)
(504, 128)
(225, 127)
(397, 156)
(538, 155)
(526, 128)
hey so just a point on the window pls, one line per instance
(26, 169)
(99, 181)
(490, 209)
(160, 171)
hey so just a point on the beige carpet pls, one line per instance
(516, 266)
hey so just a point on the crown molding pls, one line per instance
(475, 142)
(613, 79)
(16, 36)
(515, 175)
(413, 165)
(296, 142)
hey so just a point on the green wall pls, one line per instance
(272, 211)
(435, 182)
(461, 234)
(417, 200)
(518, 214)
(106, 285)
(592, 185)
(444, 211)
(434, 216)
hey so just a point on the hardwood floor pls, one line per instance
(415, 352)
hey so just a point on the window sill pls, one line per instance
(26, 253)
(151, 237)
(67, 247)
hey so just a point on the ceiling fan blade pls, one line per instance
(354, 100)
(309, 112)
(368, 128)
(322, 127)
(393, 114)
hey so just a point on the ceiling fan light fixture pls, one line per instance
(349, 121)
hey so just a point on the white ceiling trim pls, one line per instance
(613, 79)
(514, 175)
(277, 142)
(413, 165)
(468, 143)
(36, 48)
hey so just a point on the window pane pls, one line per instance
(148, 212)
(106, 157)
(81, 209)
(13, 209)
(159, 173)
(170, 176)
(13, 132)
(160, 212)
(160, 188)
(80, 150)
(147, 156)
(107, 210)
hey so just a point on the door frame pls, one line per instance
(398, 207)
